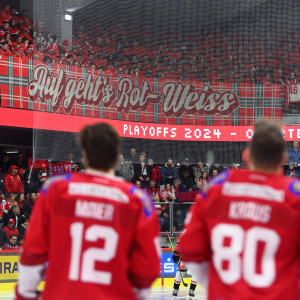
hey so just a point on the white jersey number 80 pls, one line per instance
(245, 242)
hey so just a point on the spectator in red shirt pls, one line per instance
(12, 243)
(268, 78)
(27, 23)
(25, 33)
(4, 29)
(5, 13)
(156, 175)
(10, 228)
(4, 49)
(14, 30)
(8, 203)
(52, 46)
(15, 15)
(1, 214)
(17, 44)
(64, 45)
(24, 16)
(12, 181)
(30, 49)
(7, 38)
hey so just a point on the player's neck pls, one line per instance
(109, 172)
(274, 171)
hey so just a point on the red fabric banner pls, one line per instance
(80, 92)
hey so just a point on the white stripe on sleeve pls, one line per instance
(29, 279)
(142, 294)
(199, 272)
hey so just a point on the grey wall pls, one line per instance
(13, 3)
(27, 4)
(50, 15)
(188, 16)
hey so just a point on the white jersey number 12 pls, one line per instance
(92, 254)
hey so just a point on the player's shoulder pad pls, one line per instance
(145, 199)
(50, 181)
(218, 180)
(294, 187)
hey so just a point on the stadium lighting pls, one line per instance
(68, 17)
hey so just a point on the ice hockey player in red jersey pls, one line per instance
(181, 272)
(98, 233)
(246, 226)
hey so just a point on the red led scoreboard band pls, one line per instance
(69, 123)
(199, 133)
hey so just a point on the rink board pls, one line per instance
(9, 261)
(158, 284)
(9, 270)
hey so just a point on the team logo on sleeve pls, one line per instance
(295, 187)
(51, 180)
(219, 179)
(145, 199)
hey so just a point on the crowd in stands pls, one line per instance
(15, 211)
(18, 194)
(217, 56)
(16, 33)
(167, 183)
(209, 56)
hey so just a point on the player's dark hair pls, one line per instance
(267, 147)
(101, 143)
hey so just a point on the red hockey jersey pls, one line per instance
(177, 252)
(291, 92)
(247, 226)
(99, 234)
